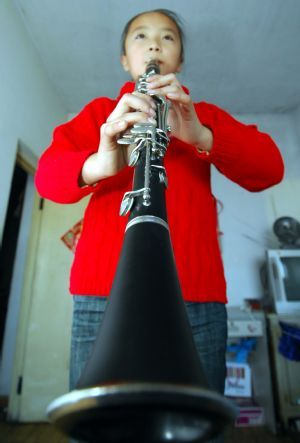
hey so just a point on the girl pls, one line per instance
(85, 158)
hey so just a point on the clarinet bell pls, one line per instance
(144, 380)
(148, 413)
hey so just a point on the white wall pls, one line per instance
(296, 114)
(29, 107)
(247, 218)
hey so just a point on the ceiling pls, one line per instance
(243, 55)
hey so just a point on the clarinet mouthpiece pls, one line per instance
(152, 68)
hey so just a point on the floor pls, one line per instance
(44, 433)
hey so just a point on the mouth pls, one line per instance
(154, 60)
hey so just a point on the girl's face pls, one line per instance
(152, 36)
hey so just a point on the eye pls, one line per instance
(139, 35)
(169, 37)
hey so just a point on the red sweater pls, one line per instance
(242, 153)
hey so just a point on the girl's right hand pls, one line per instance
(111, 156)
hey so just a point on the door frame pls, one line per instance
(24, 313)
(28, 161)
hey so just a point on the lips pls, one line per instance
(154, 60)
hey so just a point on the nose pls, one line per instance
(154, 46)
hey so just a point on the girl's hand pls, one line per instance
(111, 156)
(182, 118)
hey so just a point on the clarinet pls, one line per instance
(144, 380)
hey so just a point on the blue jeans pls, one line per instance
(209, 326)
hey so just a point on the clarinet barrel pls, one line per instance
(144, 381)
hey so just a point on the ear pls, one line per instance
(124, 62)
(179, 68)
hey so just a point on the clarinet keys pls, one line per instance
(130, 197)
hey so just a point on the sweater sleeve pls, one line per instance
(241, 152)
(59, 167)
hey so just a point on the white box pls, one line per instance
(238, 380)
(245, 328)
(250, 416)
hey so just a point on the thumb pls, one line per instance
(109, 132)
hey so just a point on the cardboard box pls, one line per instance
(250, 416)
(238, 380)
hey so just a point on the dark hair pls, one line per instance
(170, 14)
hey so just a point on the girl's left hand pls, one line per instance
(182, 117)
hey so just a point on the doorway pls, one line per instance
(12, 268)
(9, 242)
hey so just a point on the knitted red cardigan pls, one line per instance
(241, 152)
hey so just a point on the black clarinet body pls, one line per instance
(144, 381)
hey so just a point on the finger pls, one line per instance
(174, 92)
(136, 117)
(139, 117)
(168, 86)
(179, 96)
(157, 81)
(110, 131)
(135, 101)
(146, 98)
(173, 88)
